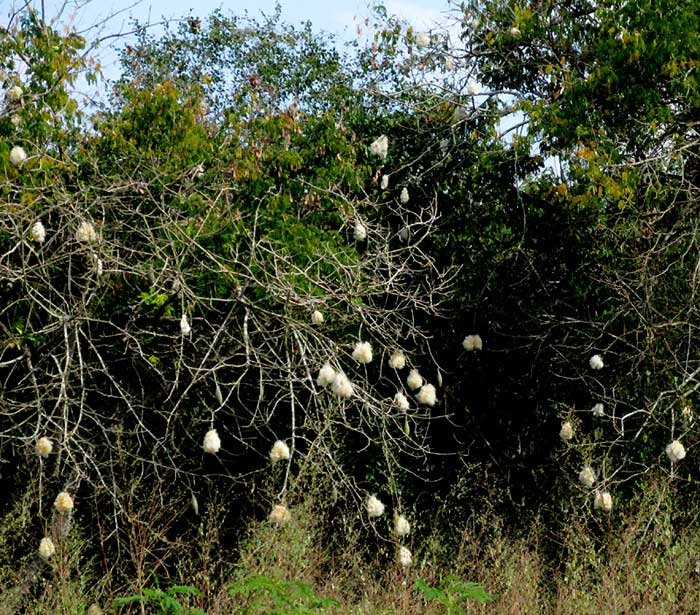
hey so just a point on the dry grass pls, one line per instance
(636, 562)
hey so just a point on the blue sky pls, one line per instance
(333, 15)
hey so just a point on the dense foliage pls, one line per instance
(252, 207)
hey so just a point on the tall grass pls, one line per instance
(638, 560)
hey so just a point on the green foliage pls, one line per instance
(593, 247)
(159, 602)
(592, 72)
(224, 179)
(45, 63)
(260, 594)
(452, 594)
(266, 63)
(159, 120)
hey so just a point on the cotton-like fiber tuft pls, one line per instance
(326, 375)
(185, 328)
(414, 380)
(401, 525)
(567, 431)
(472, 342)
(401, 402)
(342, 386)
(17, 155)
(397, 360)
(86, 232)
(675, 451)
(212, 442)
(380, 147)
(422, 40)
(362, 352)
(43, 447)
(603, 501)
(375, 507)
(46, 548)
(279, 451)
(596, 362)
(405, 557)
(427, 395)
(63, 502)
(38, 232)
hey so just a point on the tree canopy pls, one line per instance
(456, 265)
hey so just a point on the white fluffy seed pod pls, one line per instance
(342, 386)
(326, 376)
(403, 197)
(675, 451)
(472, 342)
(567, 431)
(414, 380)
(598, 410)
(405, 557)
(603, 501)
(43, 447)
(38, 232)
(385, 182)
(212, 442)
(279, 451)
(317, 318)
(449, 63)
(14, 93)
(185, 328)
(397, 360)
(401, 402)
(17, 155)
(427, 395)
(380, 147)
(401, 525)
(587, 477)
(422, 40)
(280, 514)
(362, 352)
(375, 507)
(16, 120)
(472, 88)
(360, 231)
(46, 548)
(86, 232)
(514, 32)
(63, 502)
(596, 362)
